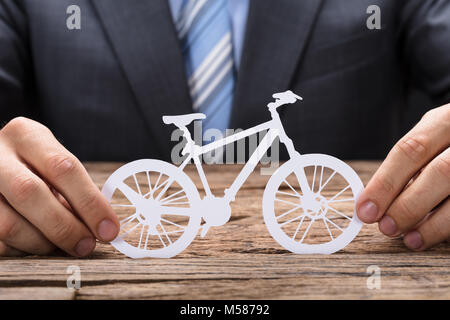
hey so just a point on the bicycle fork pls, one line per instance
(294, 155)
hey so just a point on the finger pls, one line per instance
(17, 232)
(61, 199)
(409, 155)
(414, 203)
(433, 231)
(68, 176)
(30, 196)
(7, 251)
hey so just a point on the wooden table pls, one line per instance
(237, 261)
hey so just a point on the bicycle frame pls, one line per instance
(275, 129)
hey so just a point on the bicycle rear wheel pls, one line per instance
(154, 201)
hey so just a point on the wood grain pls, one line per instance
(237, 261)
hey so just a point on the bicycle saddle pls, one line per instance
(183, 120)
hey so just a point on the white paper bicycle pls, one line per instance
(161, 210)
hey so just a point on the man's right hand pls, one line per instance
(47, 198)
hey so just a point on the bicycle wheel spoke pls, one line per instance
(339, 213)
(287, 202)
(164, 244)
(306, 231)
(140, 238)
(298, 228)
(174, 201)
(292, 188)
(326, 225)
(161, 185)
(127, 220)
(287, 212)
(339, 193)
(165, 233)
(156, 187)
(149, 184)
(146, 238)
(157, 181)
(334, 224)
(288, 194)
(172, 232)
(129, 231)
(178, 203)
(343, 200)
(172, 223)
(166, 185)
(314, 179)
(326, 182)
(289, 221)
(137, 184)
(321, 176)
(171, 196)
(129, 193)
(147, 195)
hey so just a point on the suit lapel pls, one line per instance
(144, 39)
(277, 32)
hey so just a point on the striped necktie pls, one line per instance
(204, 30)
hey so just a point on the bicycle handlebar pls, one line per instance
(282, 98)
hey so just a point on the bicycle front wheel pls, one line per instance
(322, 221)
(155, 202)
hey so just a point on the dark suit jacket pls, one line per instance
(103, 89)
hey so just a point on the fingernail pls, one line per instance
(413, 240)
(388, 226)
(85, 247)
(368, 212)
(107, 230)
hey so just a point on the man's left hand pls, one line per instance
(409, 193)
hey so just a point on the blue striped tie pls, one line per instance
(204, 30)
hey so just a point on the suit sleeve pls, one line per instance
(15, 69)
(426, 46)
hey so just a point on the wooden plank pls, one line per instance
(276, 276)
(238, 260)
(36, 293)
(309, 287)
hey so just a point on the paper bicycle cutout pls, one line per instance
(161, 209)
